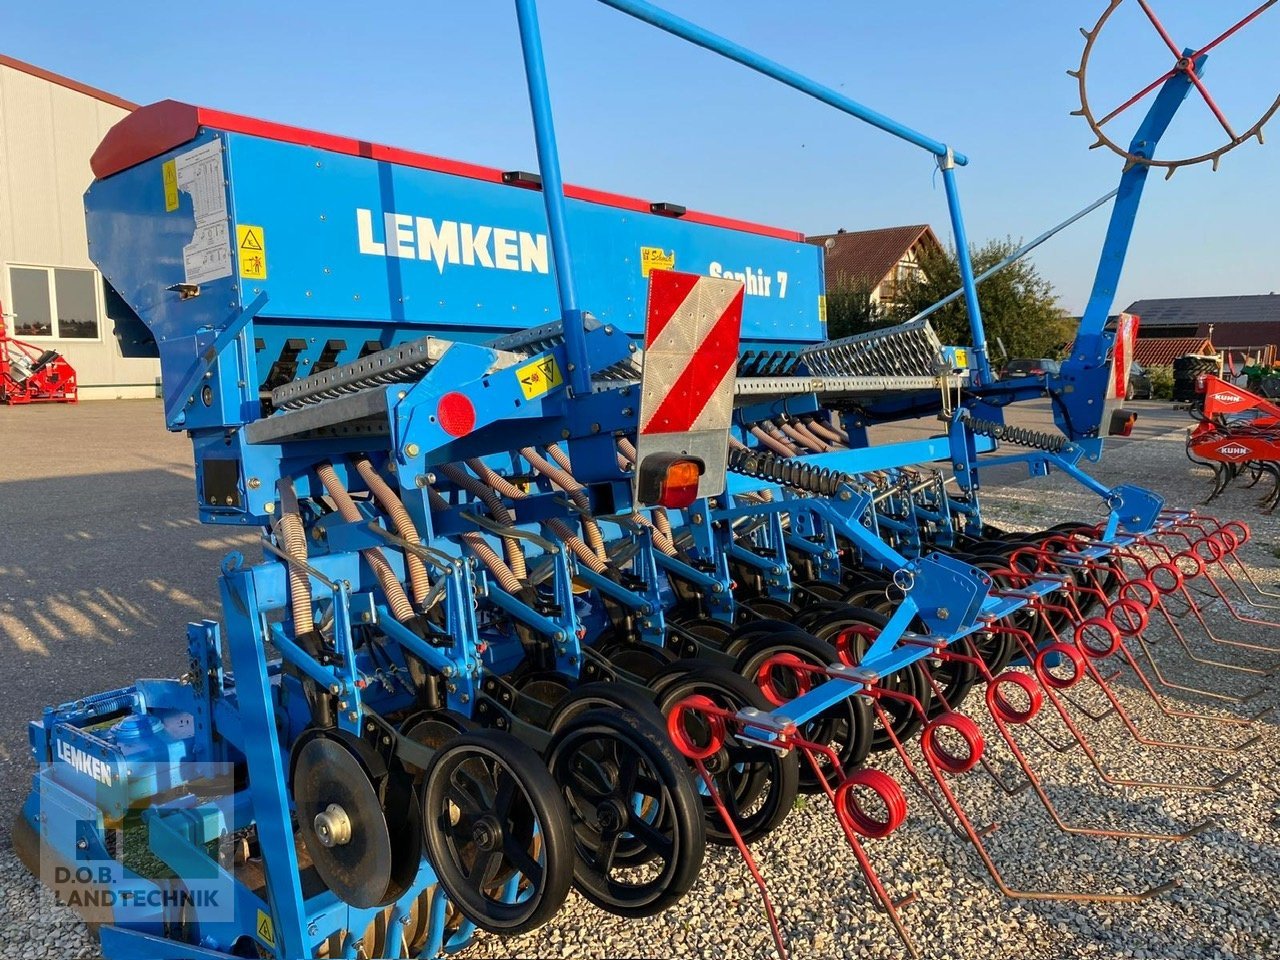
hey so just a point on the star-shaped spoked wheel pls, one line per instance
(1187, 62)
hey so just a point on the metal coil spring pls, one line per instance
(398, 375)
(788, 473)
(1022, 436)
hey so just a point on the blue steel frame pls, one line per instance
(950, 598)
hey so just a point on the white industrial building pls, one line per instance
(52, 295)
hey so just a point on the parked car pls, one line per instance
(1139, 383)
(1037, 367)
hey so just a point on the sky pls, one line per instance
(641, 112)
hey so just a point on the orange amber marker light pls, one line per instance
(680, 485)
(669, 480)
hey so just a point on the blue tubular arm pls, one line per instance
(1086, 368)
(982, 367)
(947, 158)
(553, 184)
(544, 133)
(699, 36)
(1120, 229)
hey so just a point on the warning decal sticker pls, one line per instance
(266, 932)
(251, 245)
(539, 377)
(692, 327)
(170, 174)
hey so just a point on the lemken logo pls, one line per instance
(1228, 397)
(83, 763)
(1233, 450)
(450, 241)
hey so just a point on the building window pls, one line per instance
(54, 303)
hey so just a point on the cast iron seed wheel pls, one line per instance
(715, 632)
(770, 608)
(638, 658)
(605, 694)
(744, 633)
(491, 811)
(626, 787)
(867, 594)
(824, 589)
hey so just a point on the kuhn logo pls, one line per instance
(1234, 450)
(83, 763)
(1228, 397)
(450, 242)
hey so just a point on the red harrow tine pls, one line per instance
(1111, 643)
(1196, 569)
(1176, 578)
(1177, 569)
(855, 820)
(851, 816)
(715, 718)
(1239, 530)
(1231, 536)
(1134, 613)
(1052, 684)
(1005, 714)
(1168, 579)
(941, 760)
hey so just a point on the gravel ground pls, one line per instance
(1225, 907)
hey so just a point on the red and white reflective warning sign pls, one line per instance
(1122, 355)
(690, 369)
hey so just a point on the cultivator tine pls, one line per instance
(1129, 615)
(1210, 550)
(1005, 715)
(853, 819)
(942, 761)
(940, 695)
(1226, 544)
(1156, 595)
(1198, 568)
(1055, 686)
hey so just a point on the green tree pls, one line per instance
(851, 310)
(1018, 305)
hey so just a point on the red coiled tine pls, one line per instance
(715, 717)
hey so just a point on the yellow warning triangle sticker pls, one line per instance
(266, 932)
(250, 241)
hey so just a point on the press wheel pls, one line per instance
(637, 821)
(497, 831)
(639, 659)
(604, 694)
